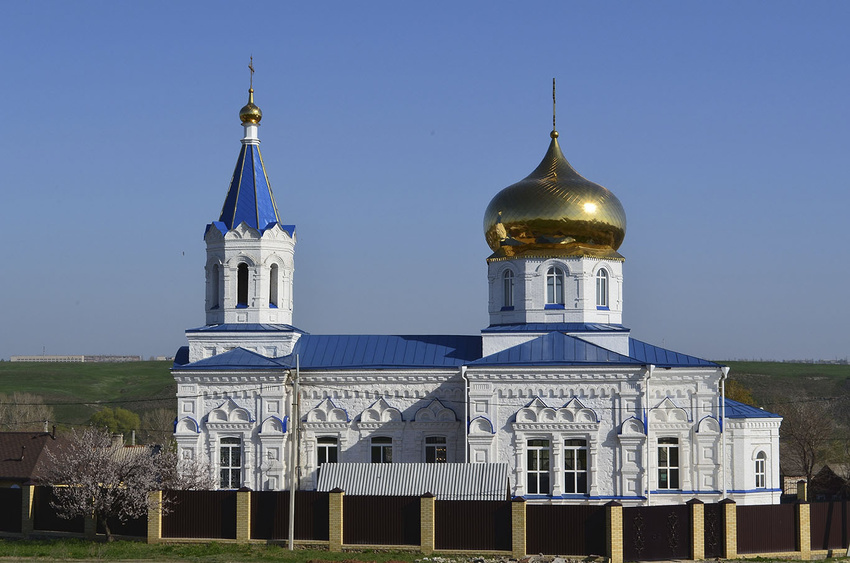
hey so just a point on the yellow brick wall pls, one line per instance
(335, 521)
(518, 524)
(614, 532)
(427, 507)
(243, 516)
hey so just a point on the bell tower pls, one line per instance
(250, 254)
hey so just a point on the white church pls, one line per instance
(554, 390)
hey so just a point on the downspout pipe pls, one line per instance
(465, 414)
(723, 471)
(648, 465)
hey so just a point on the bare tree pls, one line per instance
(93, 475)
(157, 426)
(22, 412)
(806, 434)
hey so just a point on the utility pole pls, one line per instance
(293, 451)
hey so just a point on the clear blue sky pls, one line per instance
(388, 126)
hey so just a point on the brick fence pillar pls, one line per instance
(697, 529)
(518, 525)
(155, 517)
(427, 505)
(730, 529)
(804, 538)
(27, 515)
(335, 530)
(614, 531)
(243, 515)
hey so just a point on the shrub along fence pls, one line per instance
(428, 524)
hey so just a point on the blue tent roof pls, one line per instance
(355, 351)
(555, 348)
(249, 198)
(734, 409)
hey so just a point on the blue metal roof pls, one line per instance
(556, 327)
(734, 409)
(249, 198)
(247, 327)
(236, 359)
(649, 354)
(555, 348)
(355, 351)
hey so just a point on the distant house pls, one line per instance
(24, 455)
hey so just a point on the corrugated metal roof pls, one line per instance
(556, 327)
(734, 409)
(649, 354)
(238, 358)
(555, 348)
(447, 481)
(355, 351)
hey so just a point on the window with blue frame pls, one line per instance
(242, 285)
(602, 289)
(508, 290)
(273, 280)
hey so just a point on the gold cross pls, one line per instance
(251, 66)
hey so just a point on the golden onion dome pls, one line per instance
(554, 211)
(250, 113)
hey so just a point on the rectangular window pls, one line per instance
(382, 450)
(435, 449)
(538, 467)
(668, 463)
(230, 463)
(327, 452)
(575, 466)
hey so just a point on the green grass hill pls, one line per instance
(76, 390)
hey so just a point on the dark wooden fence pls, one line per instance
(199, 514)
(565, 529)
(10, 518)
(137, 527)
(652, 533)
(767, 528)
(45, 518)
(381, 520)
(270, 515)
(829, 525)
(472, 524)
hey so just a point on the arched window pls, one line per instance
(273, 279)
(761, 470)
(602, 288)
(555, 286)
(242, 285)
(214, 287)
(508, 289)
